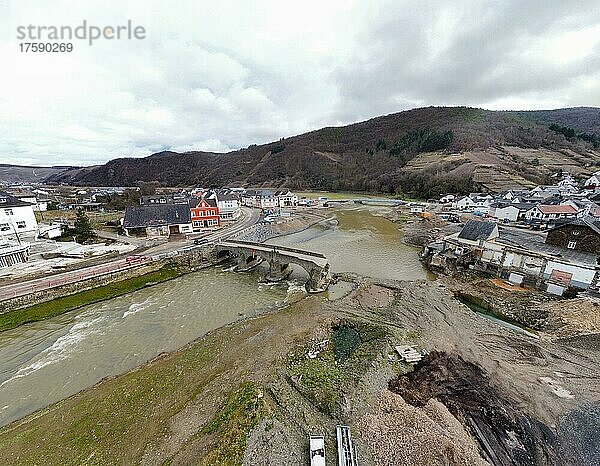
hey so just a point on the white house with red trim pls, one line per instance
(547, 212)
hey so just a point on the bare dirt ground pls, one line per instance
(553, 317)
(418, 231)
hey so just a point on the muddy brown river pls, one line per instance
(44, 362)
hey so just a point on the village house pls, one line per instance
(510, 212)
(204, 213)
(157, 220)
(16, 217)
(474, 232)
(286, 198)
(583, 205)
(550, 212)
(582, 234)
(31, 198)
(474, 202)
(593, 181)
(465, 204)
(248, 198)
(264, 199)
(504, 212)
(228, 205)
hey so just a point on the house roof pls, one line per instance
(265, 193)
(156, 215)
(227, 197)
(502, 205)
(8, 200)
(557, 209)
(475, 230)
(523, 206)
(194, 202)
(587, 221)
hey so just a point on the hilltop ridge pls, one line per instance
(424, 151)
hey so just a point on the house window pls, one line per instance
(8, 211)
(572, 244)
(20, 224)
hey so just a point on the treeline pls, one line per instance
(424, 185)
(423, 140)
(129, 197)
(420, 185)
(570, 134)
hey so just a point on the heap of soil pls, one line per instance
(505, 435)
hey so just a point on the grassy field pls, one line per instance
(59, 306)
(240, 413)
(321, 379)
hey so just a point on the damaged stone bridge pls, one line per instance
(250, 255)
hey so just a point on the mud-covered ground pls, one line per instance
(418, 231)
(254, 391)
(551, 316)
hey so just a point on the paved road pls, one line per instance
(248, 218)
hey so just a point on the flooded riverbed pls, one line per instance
(46, 361)
(360, 240)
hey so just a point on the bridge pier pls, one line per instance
(318, 279)
(247, 261)
(278, 270)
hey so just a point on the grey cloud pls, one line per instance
(197, 83)
(483, 58)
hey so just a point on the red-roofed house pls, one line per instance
(204, 214)
(543, 213)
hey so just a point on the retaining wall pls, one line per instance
(72, 288)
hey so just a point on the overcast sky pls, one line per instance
(221, 75)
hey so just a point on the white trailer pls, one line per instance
(317, 450)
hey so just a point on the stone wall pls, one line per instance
(72, 288)
(194, 259)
